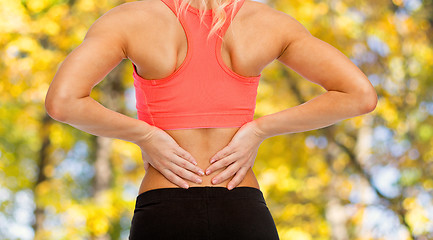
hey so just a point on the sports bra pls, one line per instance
(203, 92)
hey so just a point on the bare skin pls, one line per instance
(257, 36)
(202, 144)
(205, 142)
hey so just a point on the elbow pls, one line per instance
(53, 107)
(367, 101)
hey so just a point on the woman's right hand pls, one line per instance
(161, 151)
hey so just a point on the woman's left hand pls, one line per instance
(239, 155)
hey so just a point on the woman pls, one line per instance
(196, 74)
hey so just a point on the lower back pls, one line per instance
(202, 144)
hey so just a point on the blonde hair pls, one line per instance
(219, 15)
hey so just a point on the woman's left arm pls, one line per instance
(349, 94)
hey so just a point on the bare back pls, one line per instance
(158, 46)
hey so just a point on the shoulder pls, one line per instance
(132, 14)
(267, 16)
(131, 11)
(257, 9)
(121, 21)
(279, 26)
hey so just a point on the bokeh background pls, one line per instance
(368, 177)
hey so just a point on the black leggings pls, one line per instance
(202, 213)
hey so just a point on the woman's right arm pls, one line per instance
(68, 98)
(349, 93)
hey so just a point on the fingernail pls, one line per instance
(195, 163)
(214, 181)
(230, 187)
(185, 186)
(201, 172)
(198, 180)
(213, 160)
(207, 172)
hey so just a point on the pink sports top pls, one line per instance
(203, 92)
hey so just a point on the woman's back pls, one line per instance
(157, 46)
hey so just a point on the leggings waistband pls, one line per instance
(161, 194)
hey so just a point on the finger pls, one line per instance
(221, 163)
(174, 178)
(181, 162)
(186, 155)
(239, 176)
(226, 174)
(185, 174)
(227, 150)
